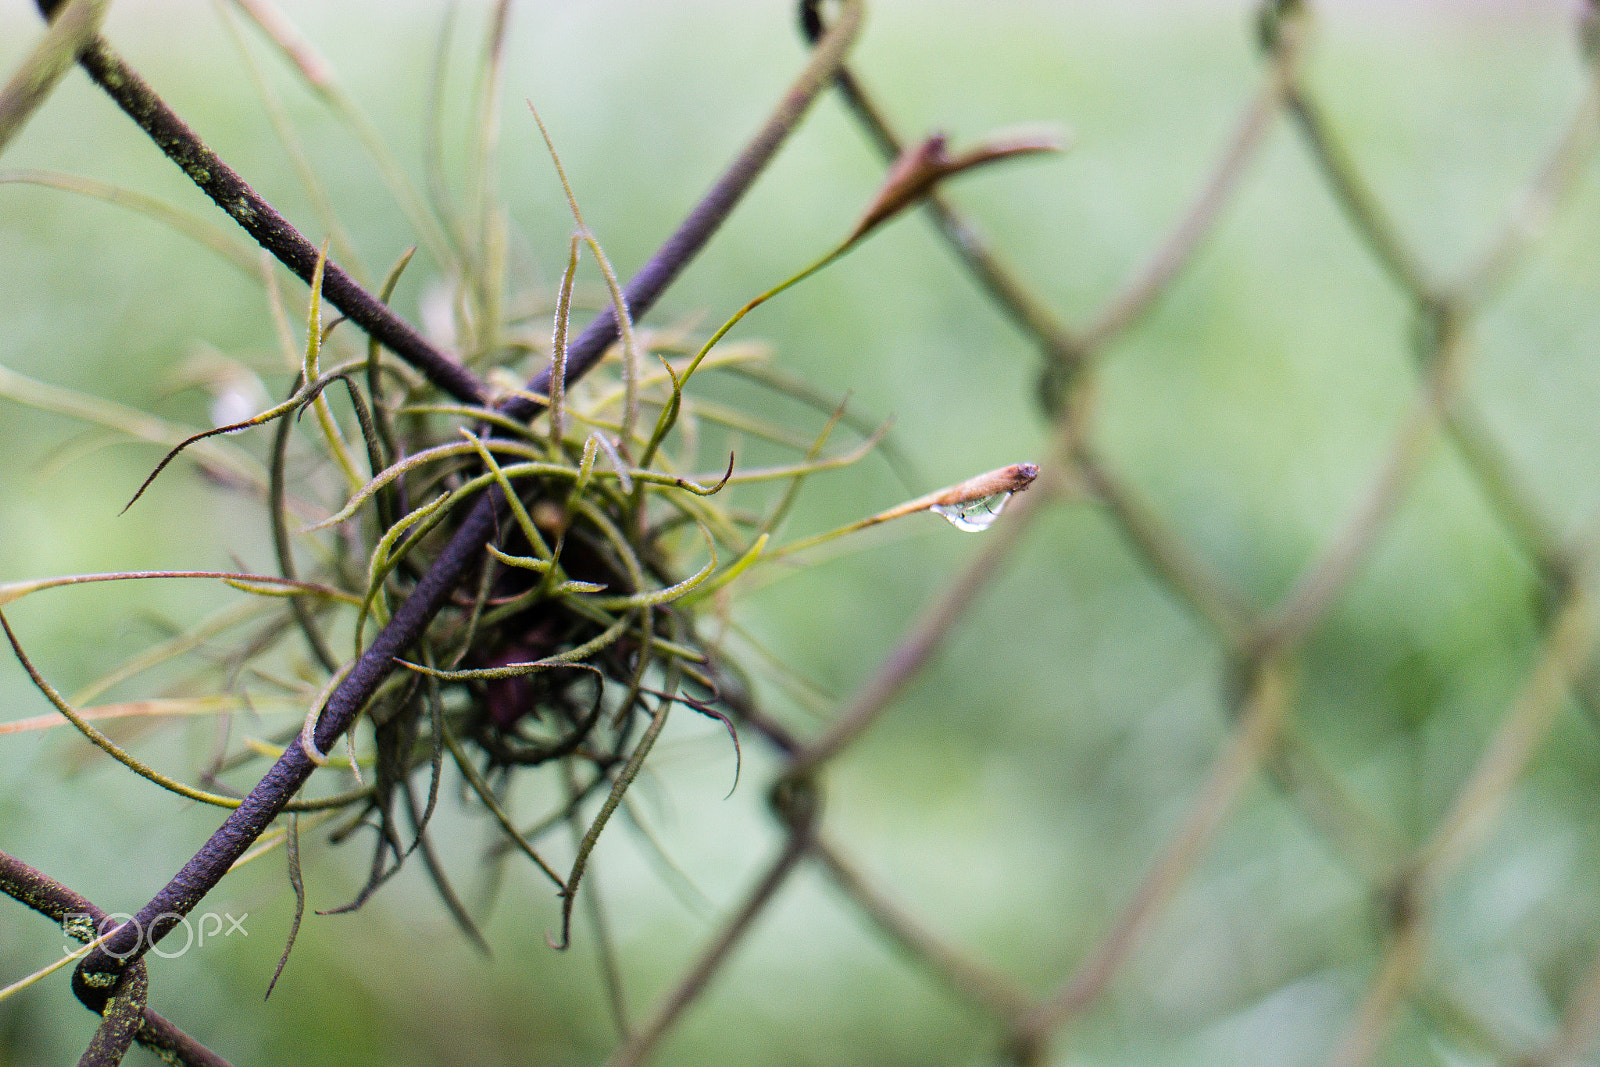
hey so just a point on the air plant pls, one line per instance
(562, 647)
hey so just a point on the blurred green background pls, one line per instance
(1017, 793)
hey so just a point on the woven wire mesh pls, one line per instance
(1469, 943)
(1447, 965)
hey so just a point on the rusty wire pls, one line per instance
(1260, 643)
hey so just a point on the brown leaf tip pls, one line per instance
(1012, 479)
(922, 166)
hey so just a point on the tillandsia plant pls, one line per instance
(491, 562)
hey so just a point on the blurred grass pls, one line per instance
(1019, 790)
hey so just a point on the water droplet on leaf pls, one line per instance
(973, 515)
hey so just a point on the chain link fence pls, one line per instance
(1414, 972)
(1472, 945)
